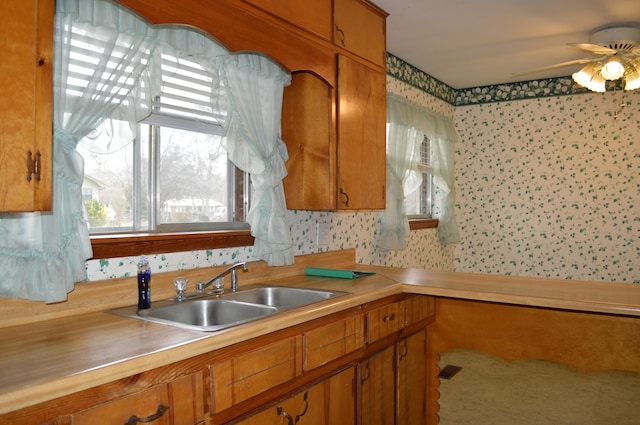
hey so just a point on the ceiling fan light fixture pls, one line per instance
(612, 69)
(589, 77)
(632, 79)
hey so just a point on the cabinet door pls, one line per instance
(312, 15)
(377, 389)
(361, 136)
(412, 378)
(360, 28)
(26, 80)
(330, 402)
(308, 129)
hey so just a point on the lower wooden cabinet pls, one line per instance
(179, 402)
(377, 388)
(329, 402)
(412, 379)
(393, 384)
(239, 377)
(364, 365)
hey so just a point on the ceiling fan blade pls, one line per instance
(558, 65)
(594, 48)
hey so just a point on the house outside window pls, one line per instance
(419, 204)
(175, 176)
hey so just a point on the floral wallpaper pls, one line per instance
(550, 187)
(547, 185)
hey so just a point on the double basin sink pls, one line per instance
(214, 313)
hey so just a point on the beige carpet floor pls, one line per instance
(490, 391)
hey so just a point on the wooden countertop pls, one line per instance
(51, 358)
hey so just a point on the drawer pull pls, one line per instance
(290, 420)
(389, 318)
(285, 414)
(134, 419)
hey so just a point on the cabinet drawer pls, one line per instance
(243, 376)
(418, 308)
(385, 320)
(180, 402)
(329, 342)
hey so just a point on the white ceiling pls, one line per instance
(471, 43)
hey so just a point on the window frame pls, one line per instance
(424, 221)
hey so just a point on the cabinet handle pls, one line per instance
(159, 412)
(389, 318)
(366, 377)
(33, 166)
(340, 35)
(285, 414)
(346, 202)
(306, 407)
(404, 353)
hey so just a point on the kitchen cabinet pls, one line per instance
(377, 388)
(239, 377)
(393, 381)
(26, 82)
(332, 401)
(360, 28)
(361, 136)
(412, 379)
(179, 402)
(311, 15)
(333, 340)
(336, 139)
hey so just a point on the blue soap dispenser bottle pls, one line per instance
(144, 279)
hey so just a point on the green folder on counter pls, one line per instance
(342, 274)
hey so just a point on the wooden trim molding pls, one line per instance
(125, 245)
(430, 223)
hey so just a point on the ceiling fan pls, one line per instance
(617, 47)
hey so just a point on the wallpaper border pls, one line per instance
(532, 89)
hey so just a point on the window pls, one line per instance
(418, 205)
(175, 175)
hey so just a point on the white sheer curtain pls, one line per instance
(255, 89)
(407, 124)
(43, 254)
(403, 177)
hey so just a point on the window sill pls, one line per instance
(430, 223)
(134, 244)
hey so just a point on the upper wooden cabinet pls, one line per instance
(26, 81)
(336, 140)
(311, 15)
(361, 136)
(360, 27)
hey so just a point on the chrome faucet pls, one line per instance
(200, 287)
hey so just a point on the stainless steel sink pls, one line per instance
(211, 313)
(281, 296)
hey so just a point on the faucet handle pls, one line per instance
(218, 286)
(181, 286)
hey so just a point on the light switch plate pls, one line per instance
(324, 232)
